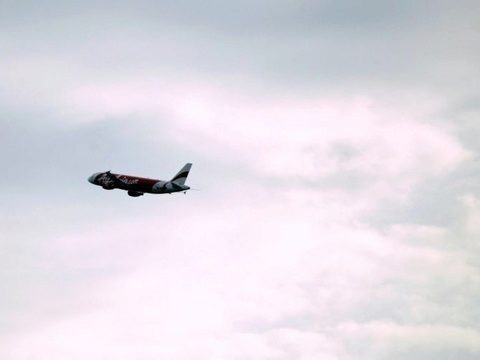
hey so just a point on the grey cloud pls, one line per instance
(318, 44)
(56, 157)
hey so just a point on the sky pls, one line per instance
(335, 148)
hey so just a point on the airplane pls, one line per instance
(137, 186)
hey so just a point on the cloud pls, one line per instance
(393, 341)
(230, 287)
(343, 142)
(333, 46)
(335, 148)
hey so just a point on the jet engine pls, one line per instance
(134, 193)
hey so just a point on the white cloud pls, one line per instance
(344, 143)
(250, 279)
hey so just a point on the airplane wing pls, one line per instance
(115, 180)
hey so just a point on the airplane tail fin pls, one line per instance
(182, 175)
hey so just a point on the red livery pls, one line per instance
(137, 186)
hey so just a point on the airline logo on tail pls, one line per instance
(181, 176)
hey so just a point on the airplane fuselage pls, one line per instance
(136, 186)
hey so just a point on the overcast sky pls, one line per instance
(335, 146)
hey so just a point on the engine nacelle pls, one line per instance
(134, 193)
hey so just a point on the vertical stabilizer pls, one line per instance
(182, 175)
